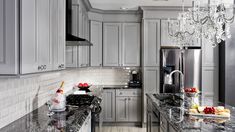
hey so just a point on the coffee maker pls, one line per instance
(135, 80)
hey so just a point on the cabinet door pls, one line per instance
(210, 81)
(112, 40)
(71, 56)
(43, 35)
(108, 106)
(61, 34)
(83, 56)
(130, 52)
(210, 55)
(151, 42)
(29, 45)
(9, 40)
(134, 110)
(166, 40)
(96, 40)
(151, 83)
(122, 113)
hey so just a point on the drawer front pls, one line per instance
(128, 92)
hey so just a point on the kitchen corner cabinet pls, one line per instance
(108, 111)
(96, 30)
(121, 44)
(151, 42)
(33, 39)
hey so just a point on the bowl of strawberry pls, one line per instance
(83, 86)
(191, 92)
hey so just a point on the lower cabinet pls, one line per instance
(109, 105)
(122, 105)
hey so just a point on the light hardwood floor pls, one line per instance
(122, 129)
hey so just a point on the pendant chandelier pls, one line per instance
(211, 23)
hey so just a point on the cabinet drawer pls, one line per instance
(128, 92)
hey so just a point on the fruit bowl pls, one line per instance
(83, 86)
(191, 92)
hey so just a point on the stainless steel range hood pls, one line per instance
(72, 40)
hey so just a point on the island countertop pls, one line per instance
(192, 123)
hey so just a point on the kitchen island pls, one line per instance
(168, 118)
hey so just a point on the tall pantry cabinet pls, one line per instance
(31, 33)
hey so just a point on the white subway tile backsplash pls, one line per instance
(21, 95)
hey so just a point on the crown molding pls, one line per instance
(162, 8)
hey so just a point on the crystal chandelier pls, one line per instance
(211, 22)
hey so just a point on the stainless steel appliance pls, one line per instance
(186, 60)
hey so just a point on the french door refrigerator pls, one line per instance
(187, 61)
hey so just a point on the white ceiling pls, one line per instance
(134, 4)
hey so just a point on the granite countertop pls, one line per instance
(192, 123)
(70, 120)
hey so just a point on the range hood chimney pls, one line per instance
(72, 40)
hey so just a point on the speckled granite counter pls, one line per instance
(38, 121)
(195, 124)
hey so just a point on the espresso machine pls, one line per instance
(135, 81)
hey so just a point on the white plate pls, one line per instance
(208, 115)
(58, 110)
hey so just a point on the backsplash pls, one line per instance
(21, 95)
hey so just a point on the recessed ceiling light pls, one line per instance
(123, 8)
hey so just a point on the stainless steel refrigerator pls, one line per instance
(187, 61)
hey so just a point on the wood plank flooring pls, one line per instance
(122, 129)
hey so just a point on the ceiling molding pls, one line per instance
(162, 8)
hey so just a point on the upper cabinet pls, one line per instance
(130, 44)
(112, 43)
(97, 41)
(166, 40)
(121, 44)
(9, 37)
(40, 37)
(151, 44)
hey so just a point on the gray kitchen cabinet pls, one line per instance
(41, 29)
(122, 113)
(166, 40)
(121, 44)
(172, 129)
(28, 41)
(59, 49)
(163, 124)
(128, 105)
(151, 43)
(71, 56)
(134, 109)
(9, 40)
(151, 83)
(210, 55)
(97, 41)
(43, 35)
(112, 43)
(108, 110)
(83, 56)
(130, 44)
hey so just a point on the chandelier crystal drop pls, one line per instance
(211, 23)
